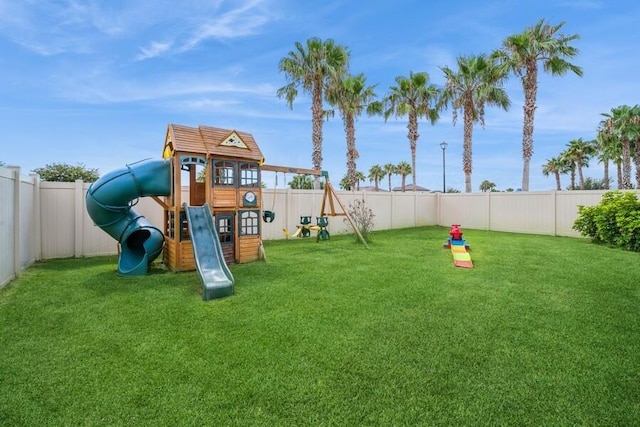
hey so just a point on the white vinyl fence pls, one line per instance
(19, 222)
(44, 220)
(544, 212)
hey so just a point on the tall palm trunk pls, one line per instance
(413, 136)
(636, 159)
(626, 163)
(317, 120)
(558, 184)
(530, 81)
(606, 174)
(467, 154)
(352, 153)
(619, 174)
(580, 175)
(573, 176)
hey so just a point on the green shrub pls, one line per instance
(614, 221)
(586, 222)
(628, 222)
(63, 172)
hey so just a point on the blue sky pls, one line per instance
(97, 82)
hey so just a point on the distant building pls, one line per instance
(371, 188)
(410, 187)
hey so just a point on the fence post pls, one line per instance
(488, 210)
(391, 210)
(415, 208)
(79, 218)
(288, 207)
(17, 267)
(555, 213)
(36, 219)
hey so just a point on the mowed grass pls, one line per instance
(543, 331)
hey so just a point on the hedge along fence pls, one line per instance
(44, 220)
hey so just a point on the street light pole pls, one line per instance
(443, 145)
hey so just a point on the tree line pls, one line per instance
(320, 69)
(617, 143)
(376, 174)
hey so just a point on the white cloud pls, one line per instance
(247, 19)
(72, 26)
(153, 50)
(100, 85)
(51, 28)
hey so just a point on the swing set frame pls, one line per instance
(329, 199)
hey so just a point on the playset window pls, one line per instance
(184, 226)
(170, 225)
(249, 223)
(223, 173)
(170, 229)
(249, 175)
(225, 228)
(192, 160)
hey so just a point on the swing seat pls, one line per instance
(268, 216)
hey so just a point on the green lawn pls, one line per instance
(543, 331)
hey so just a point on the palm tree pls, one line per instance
(570, 168)
(574, 163)
(344, 183)
(359, 178)
(301, 182)
(610, 147)
(403, 169)
(606, 152)
(618, 125)
(376, 173)
(487, 186)
(415, 98)
(310, 67)
(555, 166)
(522, 52)
(476, 83)
(580, 152)
(389, 169)
(351, 95)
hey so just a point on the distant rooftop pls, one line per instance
(410, 187)
(371, 188)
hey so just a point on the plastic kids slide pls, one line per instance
(110, 202)
(217, 280)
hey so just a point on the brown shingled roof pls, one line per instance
(209, 140)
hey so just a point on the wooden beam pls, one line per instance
(287, 169)
(161, 202)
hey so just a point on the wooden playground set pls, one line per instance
(225, 170)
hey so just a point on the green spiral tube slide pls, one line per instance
(110, 202)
